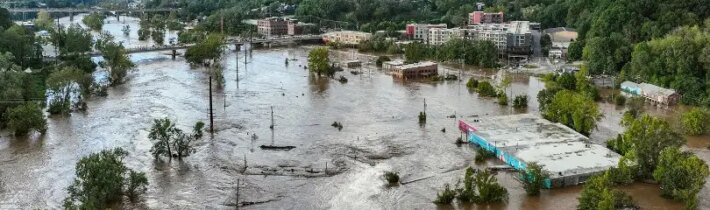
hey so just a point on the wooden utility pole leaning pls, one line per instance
(211, 110)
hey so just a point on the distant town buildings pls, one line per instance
(561, 38)
(519, 38)
(297, 28)
(416, 70)
(421, 31)
(480, 17)
(513, 38)
(650, 92)
(346, 37)
(273, 26)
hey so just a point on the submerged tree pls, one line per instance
(681, 174)
(209, 49)
(25, 118)
(115, 58)
(64, 84)
(95, 21)
(695, 121)
(101, 179)
(171, 141)
(533, 178)
(649, 136)
(318, 60)
(599, 194)
(574, 110)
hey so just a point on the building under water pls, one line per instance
(569, 157)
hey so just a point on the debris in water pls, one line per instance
(338, 125)
(273, 147)
(443, 130)
(343, 79)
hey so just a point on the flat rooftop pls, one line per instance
(530, 138)
(417, 65)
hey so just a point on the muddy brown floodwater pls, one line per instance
(380, 133)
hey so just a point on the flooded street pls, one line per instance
(380, 133)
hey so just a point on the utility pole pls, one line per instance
(211, 110)
(237, 203)
(272, 118)
(425, 106)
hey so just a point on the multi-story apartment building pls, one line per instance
(480, 17)
(439, 36)
(421, 31)
(519, 38)
(273, 26)
(346, 37)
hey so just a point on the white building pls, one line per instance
(346, 37)
(421, 31)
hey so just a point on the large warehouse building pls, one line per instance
(517, 140)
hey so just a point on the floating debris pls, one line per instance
(274, 147)
(343, 79)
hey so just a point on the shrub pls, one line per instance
(485, 89)
(533, 178)
(695, 121)
(446, 196)
(520, 101)
(482, 155)
(472, 83)
(25, 118)
(620, 100)
(422, 117)
(100, 179)
(502, 99)
(381, 60)
(392, 177)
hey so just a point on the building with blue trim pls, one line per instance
(517, 140)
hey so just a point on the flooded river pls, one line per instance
(328, 169)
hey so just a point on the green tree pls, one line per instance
(626, 170)
(485, 89)
(115, 59)
(650, 135)
(63, 84)
(681, 174)
(520, 101)
(415, 52)
(695, 121)
(574, 110)
(318, 61)
(73, 39)
(171, 141)
(44, 20)
(489, 190)
(100, 180)
(574, 51)
(25, 118)
(209, 49)
(534, 178)
(95, 21)
(598, 194)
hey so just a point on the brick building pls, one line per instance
(273, 26)
(480, 17)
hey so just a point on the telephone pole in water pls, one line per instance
(211, 110)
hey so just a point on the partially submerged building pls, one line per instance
(416, 70)
(519, 140)
(650, 92)
(390, 65)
